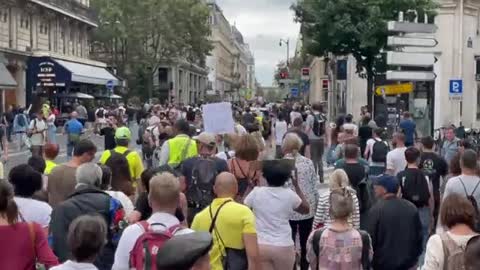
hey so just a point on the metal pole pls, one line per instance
(288, 52)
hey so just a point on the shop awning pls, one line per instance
(83, 73)
(6, 79)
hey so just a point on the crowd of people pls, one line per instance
(255, 198)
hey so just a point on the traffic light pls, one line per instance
(305, 72)
(283, 75)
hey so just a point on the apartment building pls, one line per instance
(45, 48)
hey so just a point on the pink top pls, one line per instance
(19, 251)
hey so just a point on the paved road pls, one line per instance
(17, 157)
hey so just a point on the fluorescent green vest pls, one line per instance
(178, 151)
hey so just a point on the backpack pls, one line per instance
(200, 190)
(121, 178)
(21, 120)
(319, 124)
(415, 189)
(454, 255)
(366, 243)
(144, 252)
(365, 195)
(379, 151)
(473, 201)
(100, 113)
(244, 181)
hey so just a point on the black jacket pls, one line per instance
(396, 231)
(84, 201)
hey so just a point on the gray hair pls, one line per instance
(341, 204)
(89, 174)
(292, 143)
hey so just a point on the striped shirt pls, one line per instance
(322, 216)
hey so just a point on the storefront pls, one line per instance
(49, 78)
(7, 83)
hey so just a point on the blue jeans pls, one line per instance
(425, 219)
(51, 134)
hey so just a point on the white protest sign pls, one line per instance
(218, 118)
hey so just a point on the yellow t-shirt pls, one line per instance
(233, 221)
(135, 163)
(50, 165)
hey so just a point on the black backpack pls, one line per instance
(365, 195)
(121, 178)
(366, 243)
(100, 113)
(200, 190)
(473, 201)
(415, 188)
(379, 151)
(319, 124)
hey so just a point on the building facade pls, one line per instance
(56, 29)
(182, 82)
(231, 62)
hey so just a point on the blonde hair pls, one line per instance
(164, 189)
(247, 147)
(341, 203)
(292, 143)
(338, 180)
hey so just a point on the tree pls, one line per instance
(356, 27)
(137, 36)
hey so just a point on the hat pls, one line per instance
(182, 251)
(206, 138)
(123, 133)
(390, 183)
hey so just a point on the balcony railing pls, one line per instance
(73, 7)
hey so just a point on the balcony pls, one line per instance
(71, 8)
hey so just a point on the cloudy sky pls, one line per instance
(263, 23)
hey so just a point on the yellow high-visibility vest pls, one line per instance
(178, 151)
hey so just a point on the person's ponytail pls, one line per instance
(8, 207)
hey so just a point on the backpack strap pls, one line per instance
(366, 243)
(126, 153)
(465, 189)
(31, 231)
(317, 235)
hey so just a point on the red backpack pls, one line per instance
(144, 252)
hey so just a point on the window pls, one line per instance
(43, 28)
(478, 102)
(24, 21)
(4, 15)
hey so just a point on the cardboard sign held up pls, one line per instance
(218, 118)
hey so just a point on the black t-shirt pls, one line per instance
(145, 210)
(187, 167)
(109, 134)
(304, 137)
(355, 172)
(433, 166)
(364, 133)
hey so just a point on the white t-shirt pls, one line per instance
(39, 127)
(396, 160)
(240, 130)
(31, 210)
(369, 146)
(123, 199)
(273, 207)
(280, 130)
(71, 265)
(134, 231)
(351, 126)
(223, 155)
(434, 256)
(294, 115)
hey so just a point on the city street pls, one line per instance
(16, 157)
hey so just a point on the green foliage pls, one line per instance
(357, 27)
(137, 36)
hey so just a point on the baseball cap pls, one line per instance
(206, 138)
(390, 183)
(182, 251)
(123, 133)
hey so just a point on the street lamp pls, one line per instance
(286, 42)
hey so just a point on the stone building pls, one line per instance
(52, 33)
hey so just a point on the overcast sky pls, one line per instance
(263, 23)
